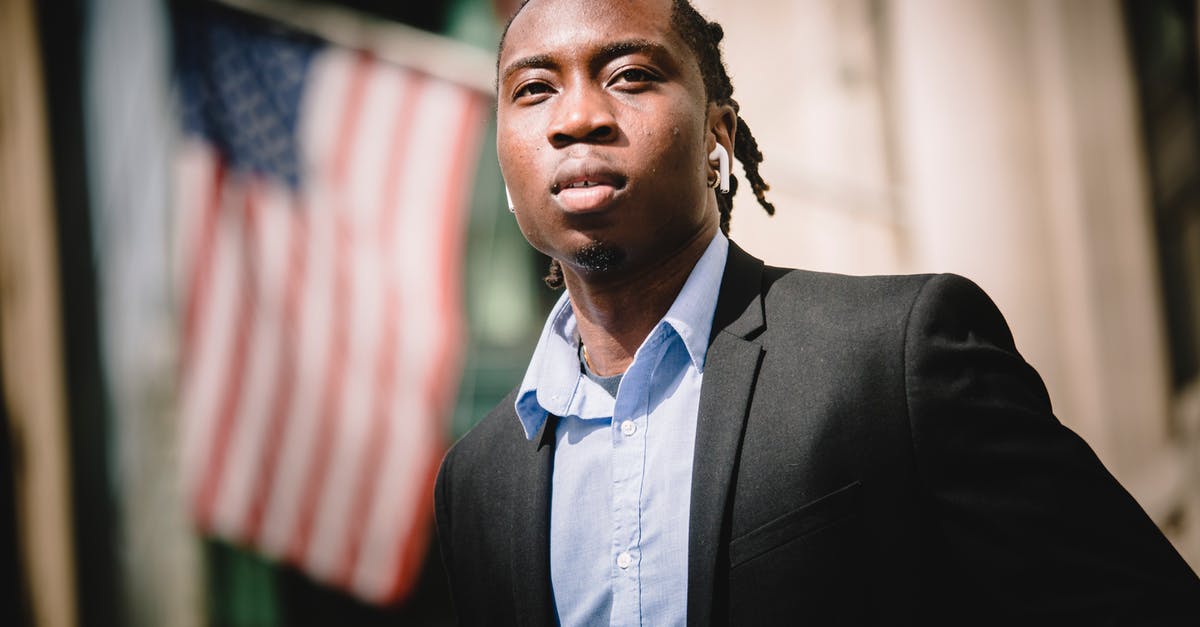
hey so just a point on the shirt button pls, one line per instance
(628, 427)
(624, 560)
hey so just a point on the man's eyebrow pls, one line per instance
(533, 61)
(615, 49)
(606, 53)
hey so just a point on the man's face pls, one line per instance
(603, 134)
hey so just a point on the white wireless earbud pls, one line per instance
(722, 156)
(511, 207)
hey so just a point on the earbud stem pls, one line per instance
(722, 157)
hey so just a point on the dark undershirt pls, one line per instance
(609, 384)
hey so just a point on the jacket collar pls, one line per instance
(733, 361)
(529, 548)
(739, 302)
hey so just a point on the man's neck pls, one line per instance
(615, 316)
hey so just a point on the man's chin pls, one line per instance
(599, 257)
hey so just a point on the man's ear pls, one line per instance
(722, 127)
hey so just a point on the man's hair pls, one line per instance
(704, 39)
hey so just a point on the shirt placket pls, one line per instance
(628, 471)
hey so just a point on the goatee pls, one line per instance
(599, 257)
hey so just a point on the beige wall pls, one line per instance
(29, 333)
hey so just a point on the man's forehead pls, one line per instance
(547, 24)
(599, 7)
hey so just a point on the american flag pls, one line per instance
(321, 202)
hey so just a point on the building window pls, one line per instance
(1163, 42)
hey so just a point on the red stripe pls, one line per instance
(389, 347)
(200, 276)
(331, 394)
(285, 379)
(441, 386)
(232, 395)
(355, 97)
(451, 238)
(415, 544)
(396, 162)
(381, 418)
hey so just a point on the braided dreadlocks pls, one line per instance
(704, 39)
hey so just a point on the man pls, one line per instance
(700, 439)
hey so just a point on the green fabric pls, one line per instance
(242, 589)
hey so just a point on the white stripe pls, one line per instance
(378, 120)
(325, 93)
(425, 327)
(401, 481)
(253, 414)
(193, 191)
(203, 388)
(409, 447)
(299, 439)
(195, 165)
(385, 94)
(321, 111)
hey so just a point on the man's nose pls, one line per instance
(583, 115)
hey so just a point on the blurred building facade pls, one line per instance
(1011, 142)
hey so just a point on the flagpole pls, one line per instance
(394, 42)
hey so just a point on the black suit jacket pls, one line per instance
(870, 450)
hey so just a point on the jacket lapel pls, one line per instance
(730, 370)
(530, 546)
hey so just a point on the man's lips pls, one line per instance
(585, 199)
(583, 188)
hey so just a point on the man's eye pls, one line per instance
(535, 88)
(635, 75)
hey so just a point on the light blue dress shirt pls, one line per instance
(622, 479)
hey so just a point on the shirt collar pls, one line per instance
(553, 376)
(691, 315)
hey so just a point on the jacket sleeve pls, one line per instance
(1021, 519)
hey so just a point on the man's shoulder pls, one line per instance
(816, 290)
(496, 440)
(869, 308)
(827, 294)
(801, 280)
